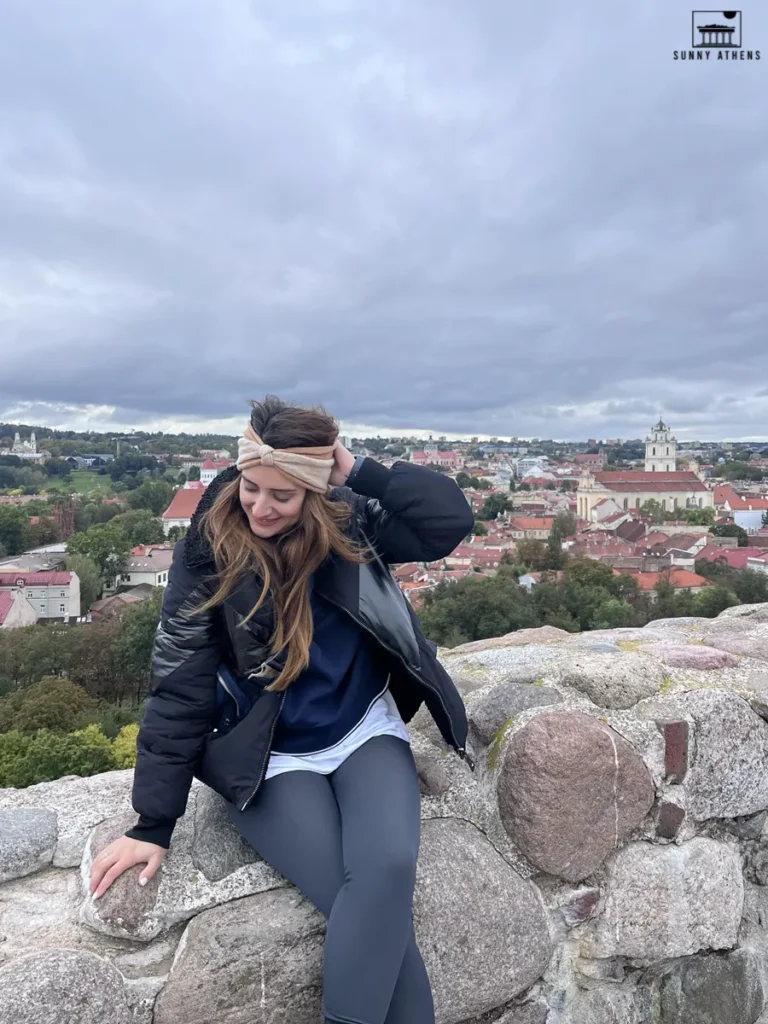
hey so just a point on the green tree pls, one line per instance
(155, 495)
(613, 614)
(765, 518)
(654, 510)
(556, 557)
(52, 703)
(474, 609)
(464, 480)
(666, 604)
(133, 648)
(588, 572)
(140, 525)
(130, 465)
(493, 507)
(480, 530)
(750, 587)
(533, 554)
(90, 580)
(13, 523)
(713, 600)
(106, 544)
(43, 532)
(194, 473)
(47, 756)
(694, 516)
(731, 530)
(124, 747)
(564, 525)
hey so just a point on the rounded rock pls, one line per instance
(570, 790)
(612, 680)
(27, 840)
(62, 986)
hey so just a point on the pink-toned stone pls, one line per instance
(570, 790)
(671, 817)
(580, 906)
(675, 735)
(748, 645)
(692, 656)
(520, 638)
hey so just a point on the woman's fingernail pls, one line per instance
(143, 881)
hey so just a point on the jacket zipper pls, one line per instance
(265, 759)
(461, 751)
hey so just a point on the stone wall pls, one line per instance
(606, 862)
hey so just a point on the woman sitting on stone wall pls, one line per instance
(286, 664)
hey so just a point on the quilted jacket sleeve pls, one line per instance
(181, 705)
(410, 513)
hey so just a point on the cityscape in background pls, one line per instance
(650, 508)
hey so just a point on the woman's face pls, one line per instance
(271, 500)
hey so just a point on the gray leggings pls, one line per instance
(349, 841)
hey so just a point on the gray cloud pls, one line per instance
(468, 218)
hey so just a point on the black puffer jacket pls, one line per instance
(407, 513)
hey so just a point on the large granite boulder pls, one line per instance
(570, 790)
(690, 656)
(669, 901)
(711, 990)
(612, 678)
(260, 958)
(62, 986)
(756, 613)
(27, 840)
(491, 708)
(727, 774)
(79, 805)
(482, 930)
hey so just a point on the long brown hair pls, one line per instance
(286, 562)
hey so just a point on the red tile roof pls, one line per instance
(208, 464)
(736, 558)
(36, 579)
(6, 603)
(681, 579)
(532, 523)
(184, 503)
(631, 480)
(739, 502)
(656, 537)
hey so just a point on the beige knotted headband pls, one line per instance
(311, 467)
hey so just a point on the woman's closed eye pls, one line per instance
(282, 499)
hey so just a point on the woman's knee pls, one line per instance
(393, 863)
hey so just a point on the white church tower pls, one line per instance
(660, 450)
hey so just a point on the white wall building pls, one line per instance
(151, 567)
(53, 595)
(25, 449)
(15, 610)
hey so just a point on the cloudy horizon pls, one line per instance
(448, 218)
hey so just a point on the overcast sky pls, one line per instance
(467, 217)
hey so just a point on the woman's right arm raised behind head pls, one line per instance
(181, 706)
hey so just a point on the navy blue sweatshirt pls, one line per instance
(344, 677)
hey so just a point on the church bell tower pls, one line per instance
(660, 450)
